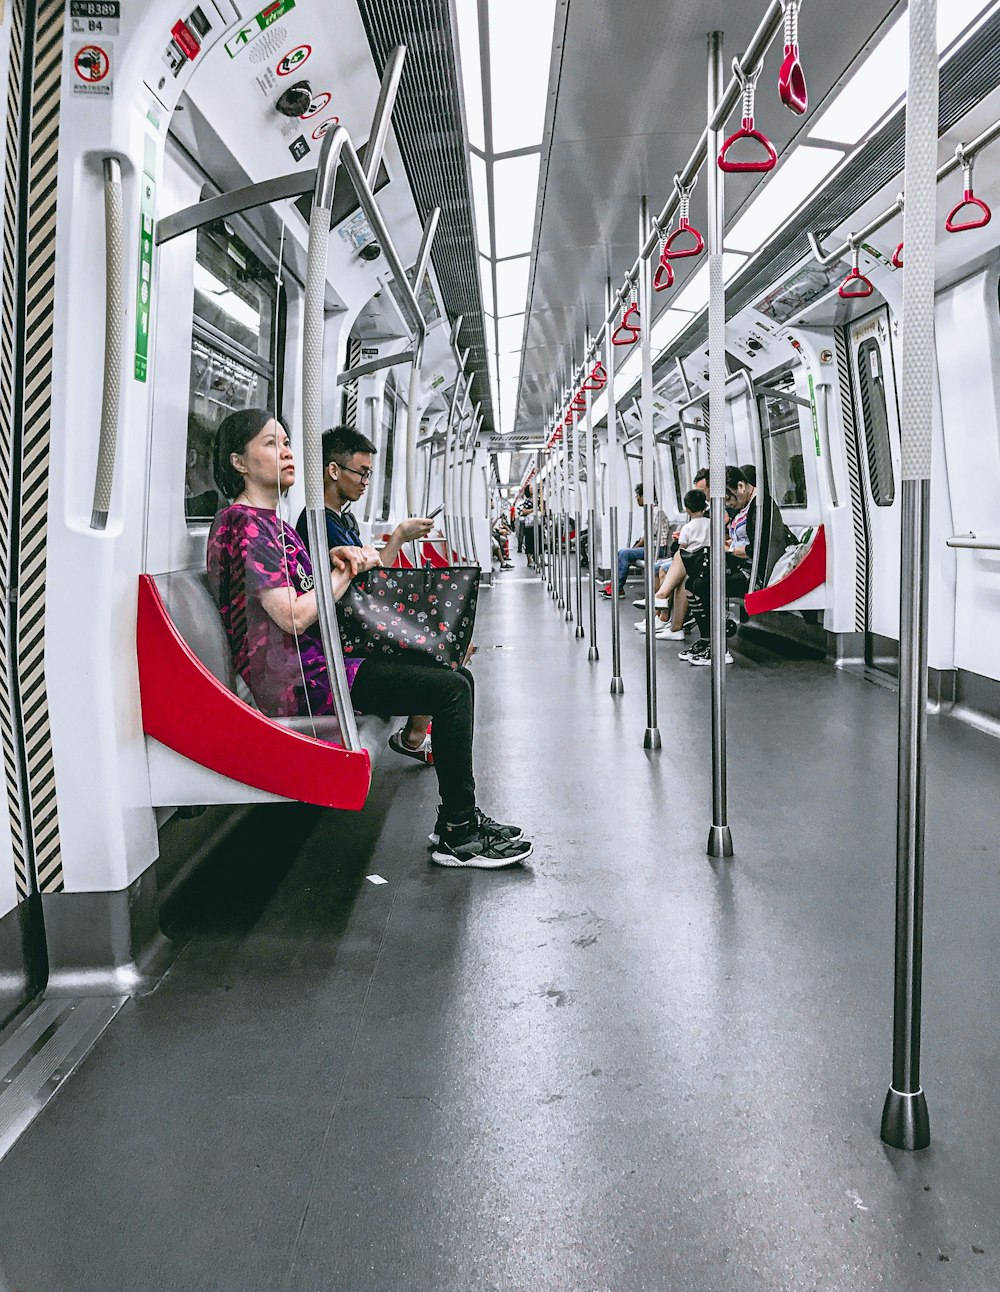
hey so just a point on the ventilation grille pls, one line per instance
(427, 123)
(966, 79)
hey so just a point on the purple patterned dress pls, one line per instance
(250, 551)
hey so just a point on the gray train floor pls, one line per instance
(622, 1068)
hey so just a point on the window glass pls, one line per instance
(677, 470)
(871, 382)
(388, 445)
(233, 350)
(783, 461)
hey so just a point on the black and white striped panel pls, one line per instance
(351, 389)
(859, 512)
(10, 393)
(26, 351)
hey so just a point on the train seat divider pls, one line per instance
(806, 576)
(190, 704)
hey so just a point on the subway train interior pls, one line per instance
(654, 349)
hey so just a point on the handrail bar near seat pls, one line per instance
(114, 340)
(973, 542)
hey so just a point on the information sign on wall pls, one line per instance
(144, 287)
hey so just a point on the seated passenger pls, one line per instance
(627, 555)
(347, 468)
(692, 537)
(742, 495)
(262, 579)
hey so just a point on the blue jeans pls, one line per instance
(626, 556)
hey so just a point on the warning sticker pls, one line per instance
(319, 102)
(92, 70)
(293, 60)
(324, 126)
(268, 15)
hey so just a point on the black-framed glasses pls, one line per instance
(364, 475)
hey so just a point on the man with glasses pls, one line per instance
(347, 469)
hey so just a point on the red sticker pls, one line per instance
(91, 64)
(293, 60)
(320, 101)
(324, 126)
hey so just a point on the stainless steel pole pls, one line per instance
(593, 654)
(578, 523)
(566, 556)
(537, 517)
(651, 740)
(617, 685)
(560, 531)
(905, 1120)
(720, 839)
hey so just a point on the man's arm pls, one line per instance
(406, 532)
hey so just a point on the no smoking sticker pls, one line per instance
(92, 70)
(324, 126)
(320, 101)
(293, 60)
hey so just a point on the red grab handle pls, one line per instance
(670, 252)
(598, 378)
(664, 276)
(864, 288)
(975, 222)
(619, 337)
(897, 257)
(579, 404)
(747, 131)
(792, 83)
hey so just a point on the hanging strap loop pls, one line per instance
(684, 227)
(855, 286)
(664, 276)
(746, 130)
(792, 79)
(627, 333)
(598, 378)
(982, 215)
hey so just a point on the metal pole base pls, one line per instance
(593, 655)
(651, 740)
(569, 614)
(617, 686)
(579, 631)
(560, 603)
(720, 841)
(905, 1123)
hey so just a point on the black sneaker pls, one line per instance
(700, 647)
(477, 846)
(510, 832)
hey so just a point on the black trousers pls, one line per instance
(699, 583)
(387, 686)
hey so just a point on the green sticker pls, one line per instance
(144, 286)
(812, 405)
(268, 15)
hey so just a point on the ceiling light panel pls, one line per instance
(481, 198)
(472, 73)
(486, 280)
(520, 50)
(515, 186)
(511, 334)
(782, 193)
(512, 285)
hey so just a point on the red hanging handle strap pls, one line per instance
(627, 333)
(791, 78)
(664, 276)
(747, 131)
(978, 213)
(598, 378)
(685, 229)
(855, 286)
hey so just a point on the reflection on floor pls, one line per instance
(623, 1068)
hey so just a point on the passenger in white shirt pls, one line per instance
(670, 592)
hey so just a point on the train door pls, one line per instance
(873, 386)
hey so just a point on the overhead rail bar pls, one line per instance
(974, 542)
(770, 25)
(972, 150)
(374, 365)
(114, 341)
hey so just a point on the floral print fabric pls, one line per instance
(250, 551)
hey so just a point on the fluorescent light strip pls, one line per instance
(515, 188)
(472, 70)
(481, 199)
(520, 52)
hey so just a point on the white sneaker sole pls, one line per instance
(479, 863)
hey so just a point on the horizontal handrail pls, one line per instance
(374, 365)
(974, 542)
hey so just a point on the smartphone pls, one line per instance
(436, 512)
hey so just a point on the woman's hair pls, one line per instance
(695, 500)
(233, 436)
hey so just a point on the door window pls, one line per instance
(782, 443)
(871, 382)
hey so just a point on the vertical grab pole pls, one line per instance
(720, 839)
(416, 376)
(617, 685)
(564, 478)
(537, 517)
(313, 334)
(553, 501)
(114, 340)
(905, 1120)
(593, 654)
(651, 740)
(578, 514)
